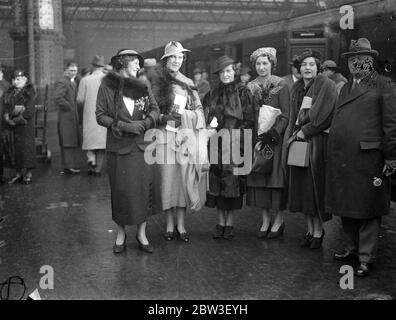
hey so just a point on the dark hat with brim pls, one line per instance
(360, 46)
(331, 65)
(221, 63)
(129, 52)
(245, 70)
(306, 53)
(19, 73)
(98, 61)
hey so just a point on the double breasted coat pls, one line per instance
(362, 136)
(65, 95)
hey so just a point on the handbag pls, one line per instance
(263, 160)
(299, 154)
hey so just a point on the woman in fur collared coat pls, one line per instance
(19, 110)
(313, 99)
(127, 108)
(167, 82)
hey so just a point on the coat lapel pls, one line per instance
(352, 94)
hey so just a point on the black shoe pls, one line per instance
(228, 233)
(118, 248)
(169, 235)
(316, 243)
(218, 232)
(306, 241)
(263, 234)
(148, 248)
(344, 256)
(364, 269)
(70, 171)
(277, 233)
(27, 180)
(182, 236)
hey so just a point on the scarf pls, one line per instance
(265, 89)
(225, 101)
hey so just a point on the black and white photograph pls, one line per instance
(197, 156)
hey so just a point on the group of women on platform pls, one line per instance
(129, 107)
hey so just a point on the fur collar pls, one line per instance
(162, 86)
(131, 87)
(13, 94)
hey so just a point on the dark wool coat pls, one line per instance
(21, 147)
(65, 98)
(4, 85)
(279, 100)
(134, 194)
(234, 107)
(362, 136)
(313, 122)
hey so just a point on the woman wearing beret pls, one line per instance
(231, 106)
(19, 109)
(267, 190)
(313, 99)
(127, 108)
(179, 190)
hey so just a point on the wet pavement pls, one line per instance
(65, 222)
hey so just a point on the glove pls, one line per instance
(11, 123)
(173, 116)
(270, 137)
(134, 127)
(19, 120)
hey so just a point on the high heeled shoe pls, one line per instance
(277, 233)
(182, 236)
(218, 232)
(118, 248)
(169, 235)
(148, 248)
(264, 234)
(316, 243)
(27, 180)
(228, 233)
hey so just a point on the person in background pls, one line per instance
(65, 98)
(331, 70)
(4, 85)
(361, 156)
(94, 135)
(231, 106)
(127, 108)
(267, 191)
(245, 74)
(313, 99)
(292, 78)
(201, 84)
(147, 70)
(19, 110)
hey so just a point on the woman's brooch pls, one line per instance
(142, 104)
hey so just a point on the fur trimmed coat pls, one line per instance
(20, 139)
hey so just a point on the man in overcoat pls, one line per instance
(361, 155)
(65, 96)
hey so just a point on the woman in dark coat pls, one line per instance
(266, 190)
(313, 98)
(127, 108)
(231, 105)
(19, 110)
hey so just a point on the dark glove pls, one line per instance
(270, 137)
(19, 120)
(173, 116)
(134, 127)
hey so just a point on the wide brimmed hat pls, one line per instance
(129, 52)
(360, 46)
(172, 48)
(306, 53)
(98, 61)
(222, 62)
(331, 65)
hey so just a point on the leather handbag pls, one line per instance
(263, 160)
(298, 154)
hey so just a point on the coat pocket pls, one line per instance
(370, 145)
